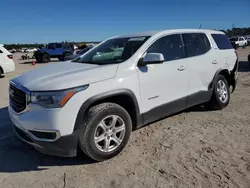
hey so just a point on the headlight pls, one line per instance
(54, 99)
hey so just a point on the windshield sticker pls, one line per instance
(137, 39)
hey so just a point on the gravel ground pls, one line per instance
(195, 148)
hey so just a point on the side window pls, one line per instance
(170, 46)
(65, 46)
(195, 44)
(58, 45)
(1, 51)
(241, 39)
(222, 41)
(51, 46)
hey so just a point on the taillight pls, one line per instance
(10, 56)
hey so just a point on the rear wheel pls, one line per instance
(62, 58)
(221, 94)
(46, 58)
(66, 54)
(108, 128)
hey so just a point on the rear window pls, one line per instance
(222, 41)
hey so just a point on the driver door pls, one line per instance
(163, 87)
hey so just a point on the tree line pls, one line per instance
(237, 31)
(229, 32)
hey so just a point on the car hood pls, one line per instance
(63, 75)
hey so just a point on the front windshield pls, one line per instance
(113, 51)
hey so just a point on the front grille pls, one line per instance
(17, 99)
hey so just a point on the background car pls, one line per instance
(78, 53)
(238, 41)
(6, 61)
(30, 50)
(53, 50)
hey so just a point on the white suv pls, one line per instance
(125, 82)
(6, 61)
(239, 41)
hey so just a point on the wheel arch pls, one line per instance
(123, 97)
(229, 77)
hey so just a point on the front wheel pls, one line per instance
(107, 130)
(221, 94)
(46, 58)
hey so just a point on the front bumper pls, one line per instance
(65, 146)
(37, 129)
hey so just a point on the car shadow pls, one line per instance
(17, 156)
(244, 66)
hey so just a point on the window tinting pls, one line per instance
(51, 45)
(170, 46)
(58, 45)
(195, 44)
(222, 41)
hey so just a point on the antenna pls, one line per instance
(200, 26)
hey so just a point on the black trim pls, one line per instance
(199, 98)
(65, 146)
(176, 106)
(232, 80)
(164, 110)
(211, 85)
(79, 120)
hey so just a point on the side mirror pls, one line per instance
(151, 58)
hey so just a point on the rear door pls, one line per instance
(58, 49)
(202, 63)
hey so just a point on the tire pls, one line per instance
(46, 58)
(61, 58)
(66, 54)
(216, 102)
(103, 113)
(38, 60)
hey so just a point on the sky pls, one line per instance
(42, 21)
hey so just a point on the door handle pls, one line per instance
(181, 68)
(214, 62)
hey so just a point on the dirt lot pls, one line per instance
(196, 148)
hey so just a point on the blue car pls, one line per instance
(53, 50)
(78, 53)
